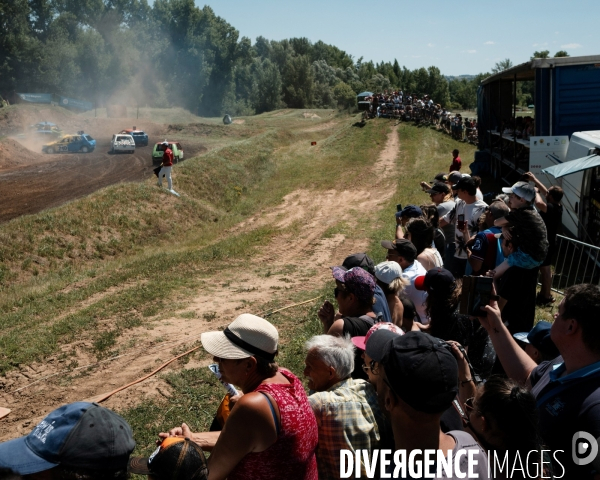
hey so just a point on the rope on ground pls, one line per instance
(290, 306)
(154, 372)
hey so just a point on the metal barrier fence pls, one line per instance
(576, 262)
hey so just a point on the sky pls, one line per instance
(459, 37)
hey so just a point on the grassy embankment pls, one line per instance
(121, 253)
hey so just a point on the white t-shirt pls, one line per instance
(417, 296)
(471, 212)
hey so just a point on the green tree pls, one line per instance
(542, 54)
(561, 53)
(344, 95)
(502, 65)
(298, 82)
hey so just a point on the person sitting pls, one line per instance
(417, 383)
(503, 418)
(354, 296)
(390, 280)
(420, 232)
(80, 440)
(175, 458)
(271, 432)
(538, 343)
(567, 388)
(347, 411)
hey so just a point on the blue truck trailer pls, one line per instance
(563, 126)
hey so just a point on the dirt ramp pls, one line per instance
(14, 154)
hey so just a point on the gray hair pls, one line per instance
(336, 352)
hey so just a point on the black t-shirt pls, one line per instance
(572, 409)
(518, 287)
(529, 232)
(358, 327)
(552, 217)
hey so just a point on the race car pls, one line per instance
(139, 136)
(71, 143)
(159, 148)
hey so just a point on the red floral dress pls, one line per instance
(292, 456)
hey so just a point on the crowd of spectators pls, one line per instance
(422, 110)
(398, 364)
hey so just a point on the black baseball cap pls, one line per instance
(402, 246)
(176, 458)
(439, 187)
(466, 183)
(361, 260)
(376, 344)
(438, 280)
(440, 177)
(421, 370)
(79, 435)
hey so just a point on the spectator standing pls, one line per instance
(362, 260)
(420, 232)
(390, 280)
(441, 195)
(538, 342)
(404, 215)
(567, 389)
(404, 253)
(167, 164)
(486, 251)
(502, 416)
(456, 164)
(354, 296)
(417, 384)
(465, 217)
(78, 440)
(347, 411)
(516, 289)
(547, 202)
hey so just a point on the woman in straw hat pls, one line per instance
(271, 432)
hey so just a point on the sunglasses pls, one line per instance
(373, 366)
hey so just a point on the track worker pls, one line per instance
(271, 432)
(167, 163)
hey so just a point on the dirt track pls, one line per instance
(33, 188)
(34, 390)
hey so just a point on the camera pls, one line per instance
(476, 293)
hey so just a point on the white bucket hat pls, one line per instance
(247, 336)
(386, 272)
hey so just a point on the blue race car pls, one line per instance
(70, 144)
(139, 136)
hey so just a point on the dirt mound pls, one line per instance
(12, 154)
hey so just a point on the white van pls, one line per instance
(122, 142)
(578, 173)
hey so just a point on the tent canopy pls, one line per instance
(573, 166)
(365, 94)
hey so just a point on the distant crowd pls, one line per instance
(434, 349)
(422, 110)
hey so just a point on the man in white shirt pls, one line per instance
(465, 217)
(404, 253)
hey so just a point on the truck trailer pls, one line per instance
(565, 127)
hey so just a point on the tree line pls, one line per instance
(174, 53)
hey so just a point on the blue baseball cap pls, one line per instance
(539, 337)
(79, 435)
(410, 211)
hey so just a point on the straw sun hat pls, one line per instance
(247, 336)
